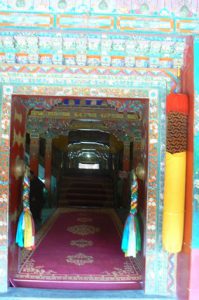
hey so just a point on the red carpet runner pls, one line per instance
(79, 249)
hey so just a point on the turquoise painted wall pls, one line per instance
(195, 229)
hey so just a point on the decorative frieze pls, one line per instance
(132, 23)
(28, 20)
(91, 50)
(61, 118)
(170, 16)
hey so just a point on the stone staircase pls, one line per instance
(86, 190)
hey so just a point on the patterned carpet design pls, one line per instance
(79, 249)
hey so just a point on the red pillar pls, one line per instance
(126, 157)
(48, 161)
(126, 168)
(34, 153)
(136, 152)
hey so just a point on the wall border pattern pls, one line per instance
(5, 107)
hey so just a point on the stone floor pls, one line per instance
(31, 294)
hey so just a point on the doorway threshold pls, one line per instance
(47, 294)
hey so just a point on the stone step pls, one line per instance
(82, 189)
(50, 294)
(85, 178)
(86, 203)
(83, 184)
(85, 199)
(86, 191)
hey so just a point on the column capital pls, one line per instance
(48, 140)
(34, 135)
(126, 139)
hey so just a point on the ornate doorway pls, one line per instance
(108, 86)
